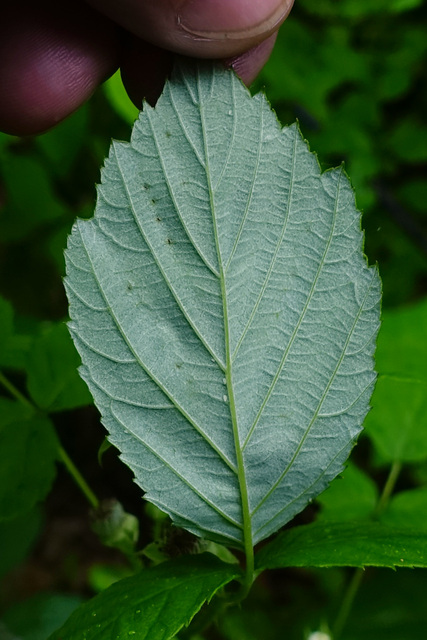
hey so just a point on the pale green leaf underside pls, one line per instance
(223, 310)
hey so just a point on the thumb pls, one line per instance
(199, 28)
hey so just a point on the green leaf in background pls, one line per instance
(402, 347)
(344, 544)
(333, 61)
(152, 605)
(409, 141)
(389, 606)
(38, 616)
(224, 311)
(17, 536)
(13, 347)
(358, 8)
(351, 497)
(397, 425)
(26, 208)
(408, 510)
(414, 195)
(28, 451)
(119, 99)
(53, 382)
(62, 144)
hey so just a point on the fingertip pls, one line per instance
(52, 61)
(249, 64)
(199, 28)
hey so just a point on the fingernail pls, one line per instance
(234, 19)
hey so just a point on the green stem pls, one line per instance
(241, 472)
(347, 603)
(386, 494)
(63, 455)
(356, 580)
(15, 392)
(77, 477)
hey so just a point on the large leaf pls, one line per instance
(224, 311)
(152, 605)
(345, 544)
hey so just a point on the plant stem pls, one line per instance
(347, 603)
(358, 574)
(63, 455)
(77, 477)
(384, 499)
(15, 392)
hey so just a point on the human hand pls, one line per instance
(54, 55)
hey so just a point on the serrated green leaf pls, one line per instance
(28, 451)
(152, 605)
(345, 544)
(224, 311)
(53, 382)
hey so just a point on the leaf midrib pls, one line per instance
(241, 473)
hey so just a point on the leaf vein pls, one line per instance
(322, 399)
(298, 324)
(166, 279)
(153, 377)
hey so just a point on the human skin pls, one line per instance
(54, 55)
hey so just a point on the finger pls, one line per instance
(199, 28)
(249, 64)
(145, 67)
(53, 55)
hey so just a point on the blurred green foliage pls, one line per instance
(353, 73)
